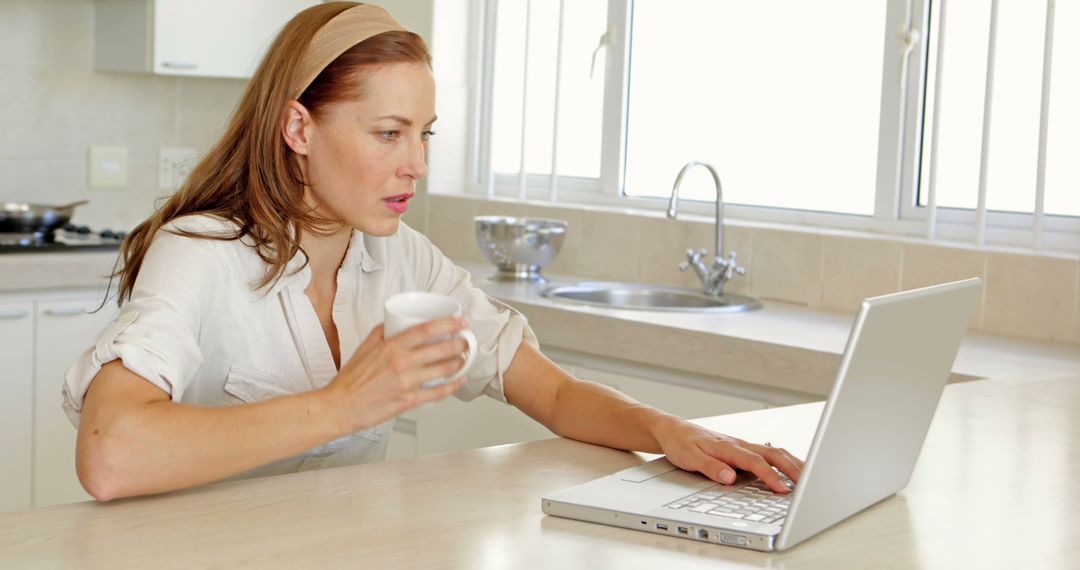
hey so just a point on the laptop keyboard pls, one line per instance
(752, 502)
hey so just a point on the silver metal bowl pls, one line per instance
(519, 247)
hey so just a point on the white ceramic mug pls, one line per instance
(406, 310)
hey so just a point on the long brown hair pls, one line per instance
(250, 176)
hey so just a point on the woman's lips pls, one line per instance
(398, 203)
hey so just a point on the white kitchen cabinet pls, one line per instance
(403, 437)
(16, 396)
(687, 403)
(452, 425)
(203, 38)
(65, 328)
(402, 445)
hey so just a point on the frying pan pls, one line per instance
(39, 219)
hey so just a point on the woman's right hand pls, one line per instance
(382, 378)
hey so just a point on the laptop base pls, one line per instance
(658, 525)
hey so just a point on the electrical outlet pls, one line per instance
(174, 165)
(108, 166)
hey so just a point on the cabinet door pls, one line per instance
(687, 403)
(16, 398)
(64, 330)
(402, 445)
(211, 38)
(453, 425)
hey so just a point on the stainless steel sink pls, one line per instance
(649, 298)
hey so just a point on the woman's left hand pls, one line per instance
(716, 456)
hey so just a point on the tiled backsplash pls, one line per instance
(56, 106)
(1032, 296)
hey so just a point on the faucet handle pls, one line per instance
(692, 258)
(695, 256)
(732, 266)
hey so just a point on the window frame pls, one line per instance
(958, 224)
(900, 144)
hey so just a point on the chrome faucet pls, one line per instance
(723, 270)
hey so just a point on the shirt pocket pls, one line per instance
(249, 385)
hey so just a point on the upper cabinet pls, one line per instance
(200, 38)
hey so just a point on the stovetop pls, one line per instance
(70, 238)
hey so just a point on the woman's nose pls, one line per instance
(415, 166)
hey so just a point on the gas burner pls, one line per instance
(69, 238)
(21, 240)
(82, 235)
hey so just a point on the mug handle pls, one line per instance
(470, 339)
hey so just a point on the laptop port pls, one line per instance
(661, 526)
(684, 530)
(735, 539)
(702, 533)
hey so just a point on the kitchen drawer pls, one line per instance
(16, 409)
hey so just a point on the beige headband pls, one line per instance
(338, 35)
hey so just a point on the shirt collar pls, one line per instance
(298, 272)
(359, 255)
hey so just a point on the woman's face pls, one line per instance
(364, 156)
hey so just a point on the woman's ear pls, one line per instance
(296, 127)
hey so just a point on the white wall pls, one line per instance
(55, 107)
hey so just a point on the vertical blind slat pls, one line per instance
(1044, 121)
(980, 209)
(931, 198)
(553, 179)
(488, 85)
(522, 187)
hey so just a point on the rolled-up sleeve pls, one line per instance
(156, 332)
(499, 328)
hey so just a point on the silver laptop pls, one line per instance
(898, 358)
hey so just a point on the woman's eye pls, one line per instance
(389, 135)
(427, 135)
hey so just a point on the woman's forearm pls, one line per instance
(598, 414)
(149, 444)
(581, 410)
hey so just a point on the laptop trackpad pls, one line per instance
(646, 471)
(682, 480)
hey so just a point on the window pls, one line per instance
(786, 108)
(581, 88)
(1015, 109)
(813, 112)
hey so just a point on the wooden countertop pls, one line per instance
(481, 509)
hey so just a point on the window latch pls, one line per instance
(605, 41)
(909, 40)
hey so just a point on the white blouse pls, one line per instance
(196, 327)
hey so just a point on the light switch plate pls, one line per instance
(108, 166)
(174, 165)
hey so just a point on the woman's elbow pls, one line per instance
(96, 464)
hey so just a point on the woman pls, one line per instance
(250, 343)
